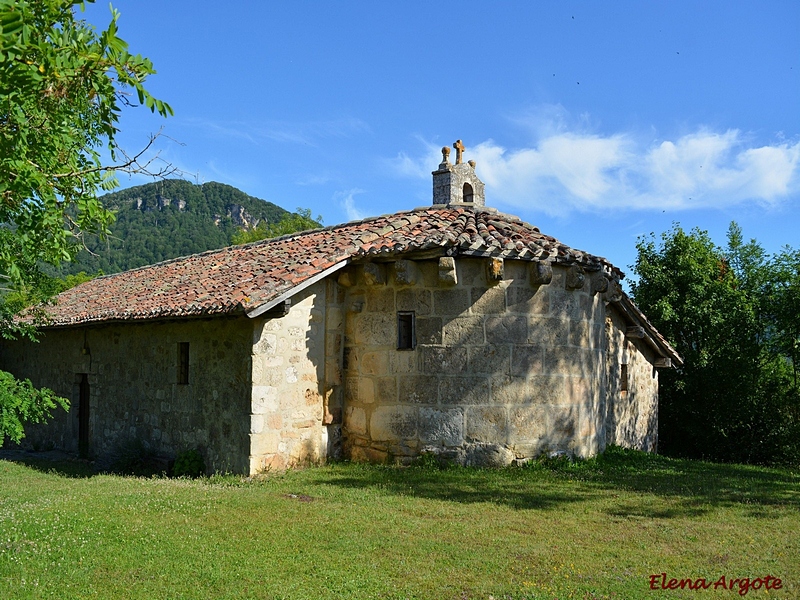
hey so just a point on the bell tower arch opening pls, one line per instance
(468, 194)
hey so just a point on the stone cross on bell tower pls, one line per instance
(459, 146)
(457, 184)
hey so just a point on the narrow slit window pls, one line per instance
(183, 363)
(406, 334)
(623, 379)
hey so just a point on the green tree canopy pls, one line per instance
(729, 313)
(62, 88)
(783, 309)
(291, 223)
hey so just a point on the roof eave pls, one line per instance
(233, 311)
(652, 337)
(259, 310)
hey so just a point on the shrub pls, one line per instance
(189, 464)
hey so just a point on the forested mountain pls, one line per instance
(170, 218)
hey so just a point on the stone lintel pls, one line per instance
(406, 272)
(345, 279)
(599, 283)
(635, 332)
(613, 293)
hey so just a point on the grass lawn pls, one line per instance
(593, 529)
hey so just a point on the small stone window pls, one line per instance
(468, 193)
(406, 331)
(623, 379)
(183, 363)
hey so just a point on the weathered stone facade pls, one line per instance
(455, 184)
(296, 402)
(452, 329)
(505, 367)
(631, 414)
(511, 360)
(133, 389)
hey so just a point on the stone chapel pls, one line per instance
(451, 329)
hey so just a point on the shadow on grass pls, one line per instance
(459, 484)
(622, 483)
(663, 487)
(698, 486)
(56, 463)
(129, 457)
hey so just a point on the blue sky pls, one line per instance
(596, 121)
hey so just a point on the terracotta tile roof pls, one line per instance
(244, 279)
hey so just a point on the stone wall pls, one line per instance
(504, 367)
(132, 373)
(631, 417)
(296, 382)
(333, 402)
(510, 361)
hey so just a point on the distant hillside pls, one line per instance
(170, 218)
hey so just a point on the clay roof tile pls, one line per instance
(219, 281)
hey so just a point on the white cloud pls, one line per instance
(347, 201)
(590, 172)
(315, 179)
(707, 169)
(772, 170)
(403, 164)
(421, 166)
(308, 132)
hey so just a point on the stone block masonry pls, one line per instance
(630, 406)
(510, 360)
(505, 367)
(297, 393)
(134, 389)
(453, 329)
(261, 394)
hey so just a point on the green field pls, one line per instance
(594, 529)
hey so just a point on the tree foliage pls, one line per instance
(21, 403)
(289, 223)
(783, 303)
(62, 88)
(729, 313)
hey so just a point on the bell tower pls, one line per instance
(457, 184)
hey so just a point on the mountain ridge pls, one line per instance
(166, 219)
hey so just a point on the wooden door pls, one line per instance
(83, 417)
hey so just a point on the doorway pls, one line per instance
(83, 416)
